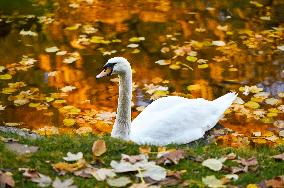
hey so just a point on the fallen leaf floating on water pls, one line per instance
(68, 122)
(280, 48)
(67, 183)
(73, 157)
(280, 156)
(163, 62)
(52, 49)
(119, 182)
(132, 45)
(68, 88)
(2, 107)
(6, 179)
(218, 43)
(172, 157)
(99, 148)
(28, 33)
(214, 164)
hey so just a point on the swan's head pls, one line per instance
(115, 65)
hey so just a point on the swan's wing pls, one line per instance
(180, 123)
(164, 103)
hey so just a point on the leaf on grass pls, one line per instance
(275, 182)
(145, 150)
(249, 162)
(68, 183)
(234, 177)
(141, 164)
(62, 166)
(42, 180)
(172, 157)
(103, 173)
(6, 179)
(280, 156)
(153, 171)
(119, 182)
(212, 181)
(99, 148)
(213, 164)
(73, 157)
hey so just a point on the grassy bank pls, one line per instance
(52, 149)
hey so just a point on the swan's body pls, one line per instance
(167, 120)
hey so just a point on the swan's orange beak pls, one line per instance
(106, 72)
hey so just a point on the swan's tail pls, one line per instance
(225, 101)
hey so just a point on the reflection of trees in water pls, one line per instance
(153, 20)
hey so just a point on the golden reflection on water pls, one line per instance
(163, 24)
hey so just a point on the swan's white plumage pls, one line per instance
(178, 120)
(167, 120)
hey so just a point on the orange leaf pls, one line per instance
(99, 148)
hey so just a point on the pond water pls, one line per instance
(51, 51)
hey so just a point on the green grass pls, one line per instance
(52, 149)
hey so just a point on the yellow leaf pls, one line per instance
(62, 166)
(203, 66)
(49, 99)
(145, 150)
(193, 87)
(5, 77)
(252, 104)
(252, 186)
(191, 58)
(34, 105)
(69, 122)
(99, 148)
(175, 66)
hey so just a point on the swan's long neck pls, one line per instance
(123, 117)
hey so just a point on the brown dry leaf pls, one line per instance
(133, 158)
(275, 182)
(99, 148)
(29, 172)
(248, 162)
(173, 178)
(85, 172)
(62, 166)
(280, 156)
(6, 179)
(172, 156)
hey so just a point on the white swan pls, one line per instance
(167, 120)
